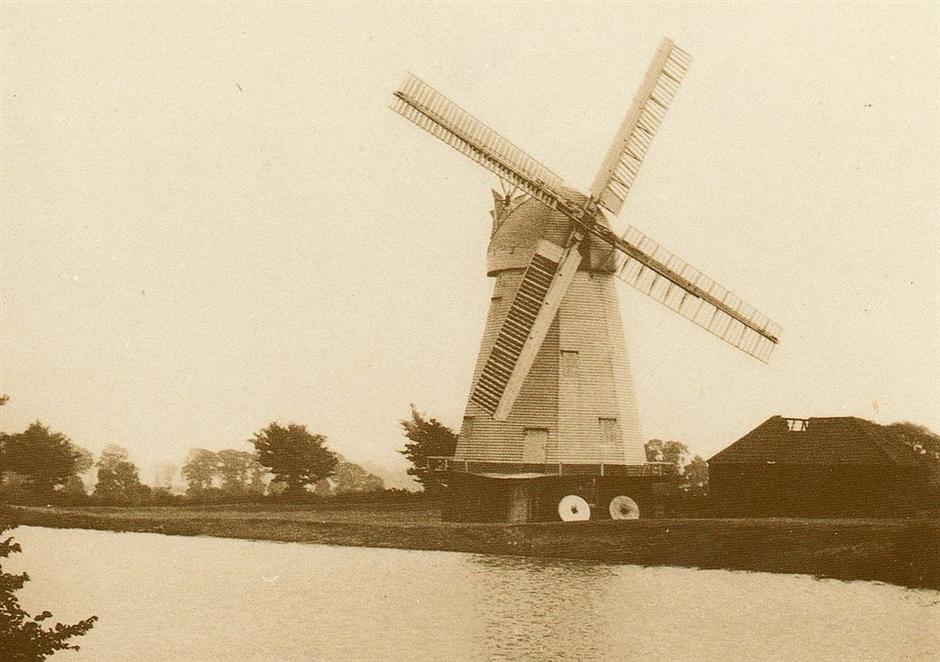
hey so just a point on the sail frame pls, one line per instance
(621, 165)
(424, 106)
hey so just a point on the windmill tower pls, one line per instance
(551, 424)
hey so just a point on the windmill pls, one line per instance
(551, 423)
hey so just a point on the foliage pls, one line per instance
(161, 496)
(226, 473)
(84, 460)
(426, 438)
(696, 475)
(73, 489)
(3, 438)
(3, 445)
(921, 438)
(118, 479)
(926, 443)
(23, 637)
(240, 472)
(348, 478)
(200, 471)
(675, 452)
(296, 457)
(47, 459)
(692, 470)
(18, 489)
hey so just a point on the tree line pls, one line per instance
(45, 466)
(39, 465)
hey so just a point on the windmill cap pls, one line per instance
(528, 221)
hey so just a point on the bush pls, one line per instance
(22, 637)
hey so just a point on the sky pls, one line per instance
(210, 219)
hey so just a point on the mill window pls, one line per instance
(610, 431)
(466, 429)
(569, 364)
(494, 306)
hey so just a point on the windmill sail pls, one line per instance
(667, 278)
(626, 153)
(420, 103)
(537, 299)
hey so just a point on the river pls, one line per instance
(181, 598)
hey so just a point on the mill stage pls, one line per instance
(551, 428)
(517, 493)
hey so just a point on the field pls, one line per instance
(899, 552)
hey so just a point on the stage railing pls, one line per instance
(453, 465)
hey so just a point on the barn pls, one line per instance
(817, 467)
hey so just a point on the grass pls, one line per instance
(903, 552)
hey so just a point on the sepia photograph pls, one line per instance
(469, 331)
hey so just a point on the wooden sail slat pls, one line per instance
(421, 104)
(658, 273)
(610, 187)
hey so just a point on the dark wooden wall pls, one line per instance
(479, 499)
(777, 490)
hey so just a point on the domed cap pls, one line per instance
(520, 226)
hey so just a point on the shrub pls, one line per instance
(23, 637)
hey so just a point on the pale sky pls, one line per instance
(211, 220)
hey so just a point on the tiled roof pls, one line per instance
(841, 440)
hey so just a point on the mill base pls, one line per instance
(517, 498)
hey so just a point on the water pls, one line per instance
(177, 598)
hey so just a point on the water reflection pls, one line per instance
(540, 609)
(175, 598)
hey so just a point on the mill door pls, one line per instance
(535, 446)
(519, 502)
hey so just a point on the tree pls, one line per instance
(922, 439)
(74, 485)
(695, 476)
(668, 451)
(200, 471)
(427, 438)
(47, 459)
(349, 478)
(692, 470)
(84, 460)
(3, 438)
(22, 637)
(118, 479)
(240, 472)
(296, 457)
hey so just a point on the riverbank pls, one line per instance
(901, 552)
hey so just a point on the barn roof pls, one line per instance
(838, 440)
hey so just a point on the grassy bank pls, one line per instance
(893, 551)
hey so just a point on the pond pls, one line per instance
(190, 598)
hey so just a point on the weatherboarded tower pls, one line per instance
(551, 428)
(577, 404)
